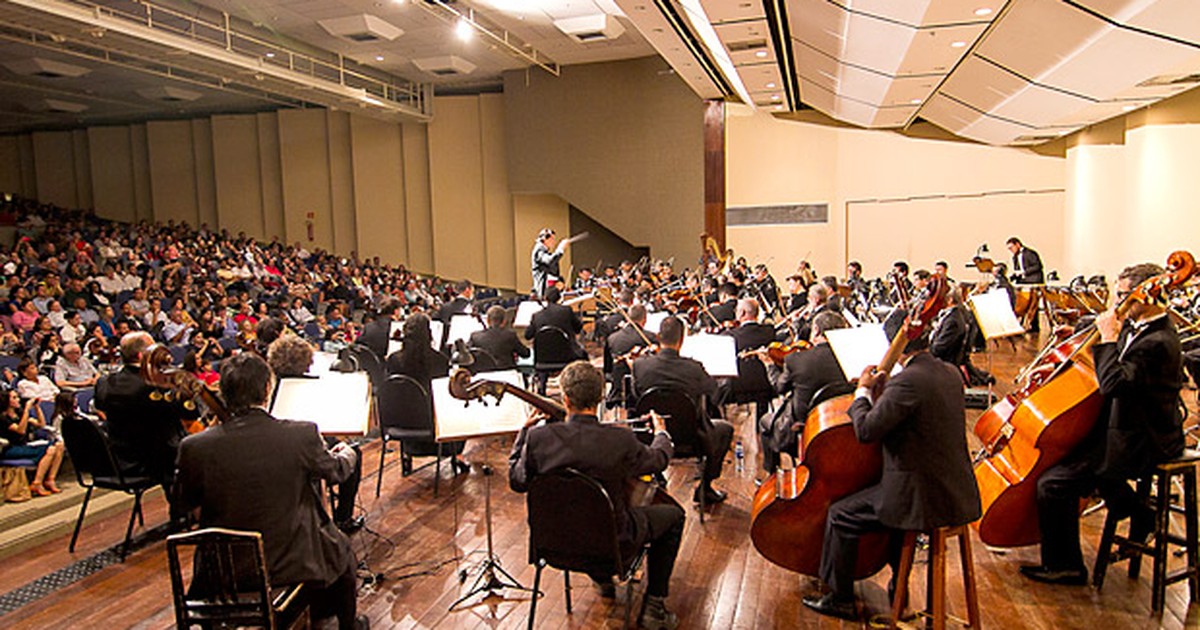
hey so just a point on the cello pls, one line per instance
(790, 508)
(1036, 426)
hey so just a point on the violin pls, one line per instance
(173, 383)
(777, 351)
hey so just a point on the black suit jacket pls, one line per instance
(376, 335)
(751, 335)
(454, 307)
(609, 454)
(555, 315)
(725, 311)
(224, 472)
(145, 432)
(804, 373)
(501, 343)
(1030, 263)
(622, 342)
(1141, 386)
(919, 419)
(948, 341)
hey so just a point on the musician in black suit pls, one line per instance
(461, 304)
(927, 477)
(224, 474)
(613, 456)
(378, 332)
(611, 322)
(764, 286)
(803, 374)
(948, 340)
(667, 369)
(726, 309)
(1139, 366)
(818, 302)
(1026, 263)
(619, 344)
(144, 424)
(499, 340)
(559, 316)
(749, 334)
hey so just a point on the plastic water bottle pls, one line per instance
(739, 454)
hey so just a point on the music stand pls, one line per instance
(996, 320)
(455, 419)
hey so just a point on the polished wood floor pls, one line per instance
(422, 545)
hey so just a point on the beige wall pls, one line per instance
(111, 163)
(912, 199)
(621, 141)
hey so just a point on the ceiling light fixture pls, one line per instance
(771, 85)
(378, 57)
(463, 29)
(762, 54)
(958, 44)
(1129, 108)
(270, 55)
(774, 97)
(915, 101)
(982, 11)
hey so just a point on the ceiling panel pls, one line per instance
(928, 12)
(720, 11)
(1173, 18)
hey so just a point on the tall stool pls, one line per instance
(935, 576)
(1183, 467)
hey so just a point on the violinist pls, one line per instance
(559, 316)
(818, 302)
(763, 285)
(585, 281)
(802, 375)
(611, 322)
(854, 277)
(927, 478)
(145, 426)
(798, 295)
(726, 309)
(749, 334)
(618, 347)
(667, 368)
(464, 294)
(611, 455)
(1139, 367)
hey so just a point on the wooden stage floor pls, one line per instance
(422, 545)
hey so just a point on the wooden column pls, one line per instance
(714, 171)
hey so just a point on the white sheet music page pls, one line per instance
(338, 403)
(718, 353)
(995, 315)
(856, 348)
(461, 327)
(525, 312)
(456, 419)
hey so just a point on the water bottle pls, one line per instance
(739, 454)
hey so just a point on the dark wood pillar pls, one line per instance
(714, 171)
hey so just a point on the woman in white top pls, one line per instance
(56, 314)
(33, 384)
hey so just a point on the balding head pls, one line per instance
(747, 310)
(133, 345)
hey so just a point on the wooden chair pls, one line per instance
(583, 538)
(1184, 468)
(229, 585)
(935, 576)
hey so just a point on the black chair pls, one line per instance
(552, 351)
(583, 538)
(683, 416)
(96, 467)
(830, 391)
(229, 586)
(752, 385)
(371, 364)
(484, 361)
(406, 415)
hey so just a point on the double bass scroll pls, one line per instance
(171, 382)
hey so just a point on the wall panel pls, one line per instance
(497, 200)
(142, 195)
(271, 170)
(379, 212)
(10, 165)
(304, 151)
(54, 163)
(456, 176)
(341, 183)
(206, 185)
(172, 171)
(238, 182)
(82, 169)
(417, 203)
(111, 162)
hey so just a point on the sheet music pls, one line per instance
(461, 327)
(655, 320)
(856, 348)
(437, 332)
(320, 363)
(995, 315)
(338, 403)
(525, 312)
(456, 419)
(394, 343)
(718, 353)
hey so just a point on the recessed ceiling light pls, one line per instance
(915, 101)
(771, 85)
(270, 55)
(982, 11)
(762, 54)
(778, 107)
(774, 97)
(958, 44)
(1129, 108)
(378, 57)
(463, 29)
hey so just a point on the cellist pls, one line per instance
(927, 478)
(1139, 367)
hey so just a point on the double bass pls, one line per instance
(170, 383)
(1036, 426)
(790, 508)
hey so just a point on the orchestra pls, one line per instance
(905, 462)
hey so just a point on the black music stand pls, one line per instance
(492, 577)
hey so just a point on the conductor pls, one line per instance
(546, 254)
